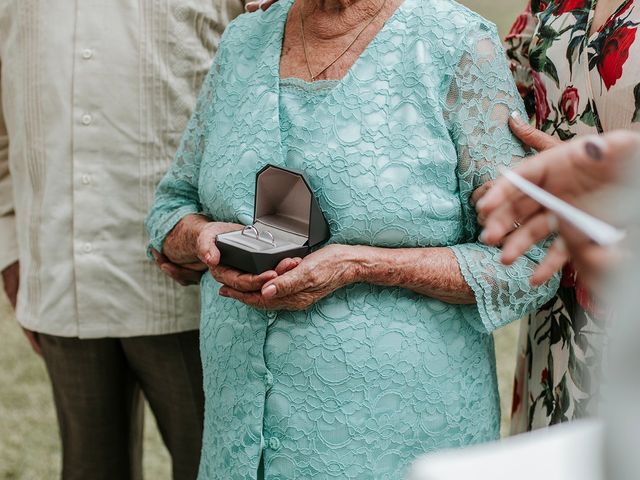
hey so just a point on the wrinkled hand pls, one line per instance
(248, 282)
(209, 255)
(189, 274)
(529, 136)
(261, 4)
(11, 281)
(571, 171)
(316, 276)
(206, 250)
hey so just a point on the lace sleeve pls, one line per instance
(517, 45)
(481, 97)
(177, 194)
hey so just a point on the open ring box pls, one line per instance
(287, 223)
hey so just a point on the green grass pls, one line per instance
(29, 446)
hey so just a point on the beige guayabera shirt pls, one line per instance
(95, 95)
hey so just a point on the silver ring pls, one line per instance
(252, 229)
(269, 238)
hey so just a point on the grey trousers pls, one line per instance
(97, 390)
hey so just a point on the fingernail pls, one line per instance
(516, 116)
(207, 257)
(155, 254)
(594, 147)
(560, 244)
(483, 236)
(165, 269)
(223, 293)
(481, 203)
(553, 223)
(269, 291)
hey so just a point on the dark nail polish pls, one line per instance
(594, 151)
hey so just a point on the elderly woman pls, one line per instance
(378, 347)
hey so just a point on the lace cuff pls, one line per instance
(503, 293)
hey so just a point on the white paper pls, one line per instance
(571, 451)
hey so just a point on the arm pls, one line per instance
(482, 83)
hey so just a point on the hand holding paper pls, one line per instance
(540, 197)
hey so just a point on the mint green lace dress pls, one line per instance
(370, 377)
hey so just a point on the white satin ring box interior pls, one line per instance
(287, 223)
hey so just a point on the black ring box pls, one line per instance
(286, 208)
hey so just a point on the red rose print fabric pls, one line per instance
(615, 53)
(575, 80)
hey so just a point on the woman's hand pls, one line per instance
(248, 282)
(571, 171)
(529, 136)
(193, 241)
(310, 279)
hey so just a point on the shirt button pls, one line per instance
(87, 53)
(274, 443)
(86, 179)
(268, 379)
(272, 317)
(87, 119)
(87, 248)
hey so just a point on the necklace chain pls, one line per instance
(348, 47)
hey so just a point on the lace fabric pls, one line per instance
(370, 377)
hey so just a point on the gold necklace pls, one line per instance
(355, 39)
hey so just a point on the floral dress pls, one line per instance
(573, 83)
(368, 378)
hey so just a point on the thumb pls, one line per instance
(529, 135)
(208, 253)
(282, 286)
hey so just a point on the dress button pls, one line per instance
(87, 248)
(86, 179)
(87, 53)
(274, 443)
(87, 119)
(268, 379)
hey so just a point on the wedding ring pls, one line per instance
(269, 238)
(250, 231)
(265, 236)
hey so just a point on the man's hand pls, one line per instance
(185, 275)
(259, 5)
(11, 280)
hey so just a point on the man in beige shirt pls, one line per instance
(94, 99)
